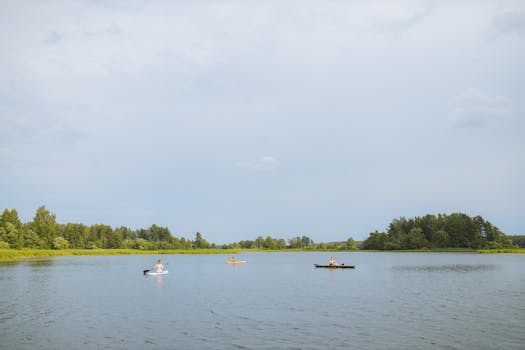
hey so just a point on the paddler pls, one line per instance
(233, 259)
(332, 262)
(159, 266)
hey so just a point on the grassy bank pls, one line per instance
(502, 251)
(14, 254)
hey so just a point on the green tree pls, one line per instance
(269, 243)
(160, 234)
(114, 239)
(199, 242)
(247, 244)
(141, 244)
(518, 240)
(306, 241)
(259, 242)
(376, 241)
(45, 226)
(415, 239)
(440, 239)
(60, 243)
(11, 230)
(295, 242)
(31, 239)
(75, 234)
(350, 244)
(185, 243)
(99, 236)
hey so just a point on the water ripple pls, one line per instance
(463, 268)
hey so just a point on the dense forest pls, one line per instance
(428, 232)
(518, 241)
(456, 230)
(45, 233)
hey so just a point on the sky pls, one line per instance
(244, 118)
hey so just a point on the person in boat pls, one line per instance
(332, 262)
(159, 267)
(233, 259)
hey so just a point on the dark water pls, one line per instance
(275, 301)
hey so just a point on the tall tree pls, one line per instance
(45, 226)
(11, 230)
(199, 242)
(75, 234)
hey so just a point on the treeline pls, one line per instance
(456, 230)
(45, 233)
(518, 241)
(428, 232)
(297, 242)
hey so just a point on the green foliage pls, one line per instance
(376, 241)
(141, 244)
(350, 244)
(456, 230)
(60, 243)
(75, 234)
(199, 242)
(518, 241)
(31, 239)
(259, 242)
(11, 231)
(300, 242)
(45, 226)
(271, 243)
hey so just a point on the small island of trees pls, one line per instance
(456, 230)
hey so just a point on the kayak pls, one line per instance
(155, 273)
(235, 262)
(342, 266)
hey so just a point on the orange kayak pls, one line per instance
(236, 262)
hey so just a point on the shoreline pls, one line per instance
(23, 254)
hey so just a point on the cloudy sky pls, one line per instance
(246, 118)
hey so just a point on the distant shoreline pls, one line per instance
(14, 254)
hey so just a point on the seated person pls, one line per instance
(332, 262)
(159, 266)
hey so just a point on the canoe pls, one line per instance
(342, 266)
(235, 262)
(155, 273)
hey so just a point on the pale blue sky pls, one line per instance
(246, 118)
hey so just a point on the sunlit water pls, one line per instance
(274, 301)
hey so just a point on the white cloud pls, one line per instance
(262, 163)
(102, 93)
(510, 18)
(473, 107)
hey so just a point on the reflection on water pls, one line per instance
(159, 280)
(40, 262)
(445, 268)
(31, 262)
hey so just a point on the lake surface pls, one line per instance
(274, 301)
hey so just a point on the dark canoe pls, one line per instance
(343, 266)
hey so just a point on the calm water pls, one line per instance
(275, 301)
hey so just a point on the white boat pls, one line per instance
(155, 273)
